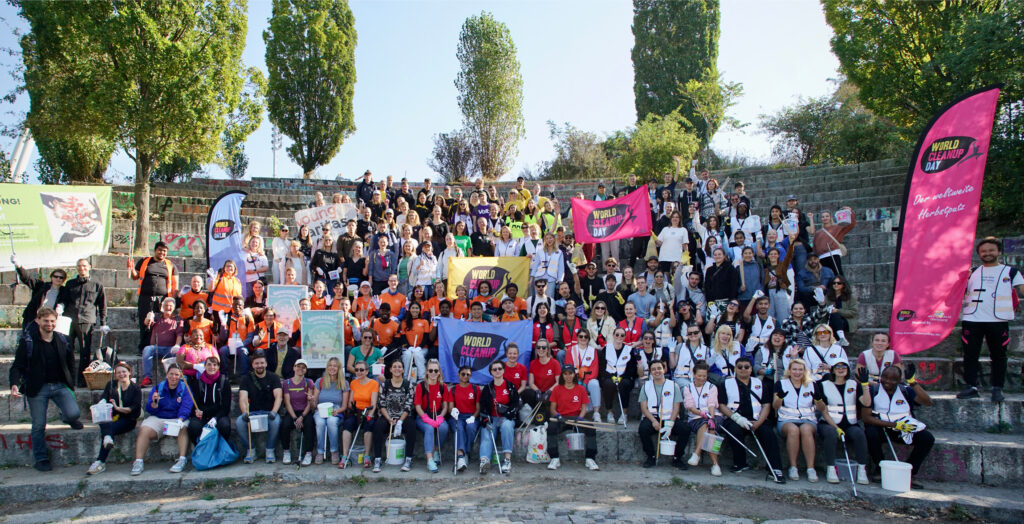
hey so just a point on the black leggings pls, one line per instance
(923, 442)
(381, 430)
(308, 432)
(608, 390)
(118, 427)
(195, 428)
(556, 428)
(680, 434)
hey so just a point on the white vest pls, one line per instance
(815, 355)
(872, 365)
(890, 409)
(726, 362)
(685, 362)
(661, 405)
(700, 397)
(615, 361)
(797, 405)
(841, 402)
(732, 390)
(759, 329)
(1000, 296)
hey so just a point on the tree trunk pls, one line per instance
(143, 168)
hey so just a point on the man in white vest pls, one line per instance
(987, 312)
(744, 401)
(887, 408)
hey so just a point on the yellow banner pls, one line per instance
(499, 272)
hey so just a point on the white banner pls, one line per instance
(334, 214)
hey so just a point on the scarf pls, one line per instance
(209, 379)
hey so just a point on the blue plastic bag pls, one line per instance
(212, 451)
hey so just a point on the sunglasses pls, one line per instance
(599, 308)
(620, 335)
(59, 277)
(496, 370)
(742, 367)
(360, 370)
(839, 283)
(433, 371)
(693, 332)
(464, 374)
(821, 332)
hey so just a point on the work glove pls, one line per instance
(781, 393)
(273, 416)
(862, 376)
(819, 295)
(105, 330)
(741, 421)
(245, 417)
(14, 260)
(905, 427)
(426, 420)
(455, 413)
(840, 432)
(909, 372)
(398, 429)
(59, 309)
(666, 427)
(213, 422)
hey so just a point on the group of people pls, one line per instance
(721, 314)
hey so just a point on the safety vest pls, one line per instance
(759, 329)
(633, 332)
(615, 361)
(661, 405)
(688, 357)
(269, 333)
(890, 409)
(798, 405)
(225, 289)
(700, 397)
(732, 391)
(585, 361)
(241, 326)
(1002, 294)
(172, 276)
(841, 402)
(815, 356)
(874, 370)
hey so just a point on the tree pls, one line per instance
(490, 93)
(159, 77)
(177, 170)
(709, 99)
(311, 60)
(453, 156)
(650, 147)
(578, 155)
(911, 58)
(242, 122)
(676, 42)
(81, 159)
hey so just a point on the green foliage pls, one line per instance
(676, 42)
(176, 170)
(5, 167)
(911, 58)
(81, 159)
(274, 226)
(709, 100)
(490, 93)
(650, 148)
(578, 155)
(453, 156)
(311, 59)
(242, 122)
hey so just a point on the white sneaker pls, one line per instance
(794, 474)
(591, 464)
(270, 456)
(610, 418)
(842, 339)
(554, 464)
(407, 465)
(597, 416)
(96, 467)
(694, 460)
(179, 465)
(716, 470)
(108, 441)
(286, 457)
(622, 419)
(862, 475)
(812, 476)
(137, 467)
(831, 476)
(461, 464)
(308, 459)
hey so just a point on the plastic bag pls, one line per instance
(212, 451)
(537, 445)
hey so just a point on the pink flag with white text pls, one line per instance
(602, 221)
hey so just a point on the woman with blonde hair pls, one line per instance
(823, 352)
(253, 231)
(600, 324)
(725, 350)
(795, 405)
(506, 245)
(432, 400)
(333, 388)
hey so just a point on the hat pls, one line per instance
(568, 367)
(652, 257)
(841, 363)
(365, 283)
(284, 227)
(389, 210)
(600, 185)
(301, 362)
(791, 197)
(540, 281)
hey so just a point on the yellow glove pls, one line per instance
(905, 427)
(840, 432)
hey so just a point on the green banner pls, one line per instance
(50, 226)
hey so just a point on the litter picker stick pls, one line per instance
(894, 457)
(722, 427)
(848, 465)
(494, 445)
(765, 456)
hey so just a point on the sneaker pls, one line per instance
(591, 464)
(968, 392)
(108, 441)
(335, 457)
(506, 466)
(270, 456)
(739, 468)
(680, 464)
(97, 467)
(137, 468)
(146, 382)
(250, 457)
(286, 457)
(376, 465)
(777, 476)
(862, 475)
(319, 459)
(308, 459)
(831, 476)
(609, 418)
(842, 339)
(554, 464)
(649, 463)
(597, 416)
(812, 476)
(694, 460)
(408, 464)
(179, 465)
(77, 424)
(997, 395)
(461, 463)
(716, 470)
(343, 463)
(622, 419)
(794, 474)
(484, 465)
(367, 462)
(431, 466)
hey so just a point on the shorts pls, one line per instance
(796, 421)
(157, 424)
(697, 423)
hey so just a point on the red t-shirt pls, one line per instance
(500, 397)
(431, 403)
(465, 398)
(516, 374)
(545, 375)
(569, 402)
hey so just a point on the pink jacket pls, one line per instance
(690, 402)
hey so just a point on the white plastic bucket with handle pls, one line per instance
(377, 370)
(574, 441)
(396, 452)
(102, 412)
(895, 476)
(325, 409)
(667, 447)
(258, 423)
(172, 428)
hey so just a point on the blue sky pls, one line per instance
(576, 68)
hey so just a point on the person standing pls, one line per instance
(365, 189)
(85, 303)
(44, 294)
(42, 371)
(158, 279)
(987, 312)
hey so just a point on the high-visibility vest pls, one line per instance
(842, 402)
(732, 392)
(798, 405)
(225, 289)
(172, 275)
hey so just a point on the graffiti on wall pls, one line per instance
(178, 245)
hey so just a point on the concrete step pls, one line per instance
(127, 339)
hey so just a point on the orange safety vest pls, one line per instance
(268, 333)
(187, 301)
(172, 275)
(224, 290)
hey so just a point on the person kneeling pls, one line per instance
(887, 410)
(663, 397)
(169, 404)
(568, 405)
(701, 402)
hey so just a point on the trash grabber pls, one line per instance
(848, 465)
(455, 450)
(494, 445)
(764, 455)
(740, 442)
(302, 443)
(618, 395)
(355, 436)
(894, 457)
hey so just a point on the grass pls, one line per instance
(207, 496)
(960, 514)
(358, 480)
(1000, 428)
(209, 484)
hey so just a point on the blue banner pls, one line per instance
(477, 344)
(224, 234)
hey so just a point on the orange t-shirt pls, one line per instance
(385, 332)
(206, 325)
(297, 328)
(363, 303)
(187, 300)
(460, 309)
(396, 301)
(518, 302)
(510, 317)
(431, 306)
(362, 394)
(417, 333)
(317, 303)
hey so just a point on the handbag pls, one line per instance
(842, 248)
(212, 451)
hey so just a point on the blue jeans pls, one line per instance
(799, 258)
(428, 435)
(241, 365)
(465, 432)
(273, 426)
(148, 353)
(506, 429)
(64, 398)
(118, 427)
(326, 429)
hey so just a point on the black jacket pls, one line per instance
(84, 301)
(214, 400)
(39, 289)
(487, 401)
(721, 282)
(131, 398)
(29, 368)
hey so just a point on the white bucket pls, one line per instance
(843, 467)
(63, 325)
(396, 452)
(895, 476)
(712, 443)
(172, 428)
(325, 409)
(258, 423)
(667, 447)
(102, 412)
(574, 441)
(843, 216)
(790, 226)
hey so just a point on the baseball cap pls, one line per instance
(365, 283)
(791, 197)
(301, 362)
(568, 367)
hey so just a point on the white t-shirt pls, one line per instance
(990, 279)
(672, 240)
